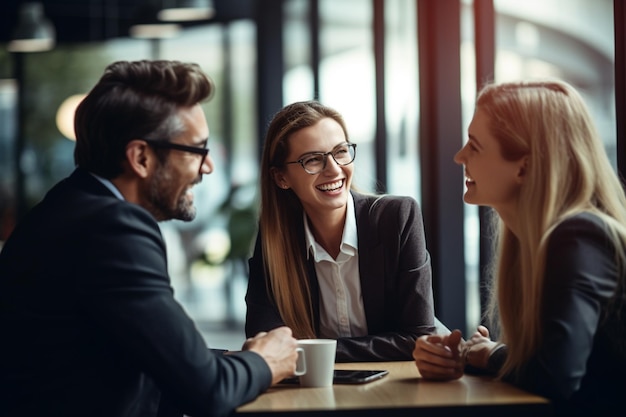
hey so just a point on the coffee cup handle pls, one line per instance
(300, 362)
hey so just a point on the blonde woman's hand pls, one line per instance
(438, 356)
(478, 348)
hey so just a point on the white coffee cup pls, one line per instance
(319, 362)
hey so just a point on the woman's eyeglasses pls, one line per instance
(315, 162)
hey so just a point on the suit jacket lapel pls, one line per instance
(371, 261)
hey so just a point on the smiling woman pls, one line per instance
(329, 261)
(559, 277)
(482, 156)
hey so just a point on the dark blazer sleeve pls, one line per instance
(396, 280)
(261, 312)
(581, 276)
(128, 294)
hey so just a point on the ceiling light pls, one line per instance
(186, 10)
(33, 33)
(154, 31)
(65, 115)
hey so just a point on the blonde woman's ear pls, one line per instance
(521, 173)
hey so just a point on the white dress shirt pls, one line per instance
(341, 302)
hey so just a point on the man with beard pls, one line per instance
(88, 319)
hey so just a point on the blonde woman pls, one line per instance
(331, 262)
(534, 156)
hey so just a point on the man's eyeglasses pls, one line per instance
(315, 162)
(163, 144)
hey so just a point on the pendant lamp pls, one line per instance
(34, 32)
(186, 10)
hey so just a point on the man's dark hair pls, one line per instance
(134, 100)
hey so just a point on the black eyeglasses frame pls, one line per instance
(165, 144)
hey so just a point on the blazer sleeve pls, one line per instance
(261, 312)
(581, 276)
(396, 282)
(128, 294)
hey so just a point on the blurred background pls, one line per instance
(404, 73)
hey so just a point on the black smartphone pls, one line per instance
(345, 376)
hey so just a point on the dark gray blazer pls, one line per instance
(88, 322)
(396, 282)
(581, 362)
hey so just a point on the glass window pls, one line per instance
(298, 79)
(402, 98)
(347, 80)
(535, 39)
(8, 98)
(346, 71)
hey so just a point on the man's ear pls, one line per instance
(139, 157)
(279, 178)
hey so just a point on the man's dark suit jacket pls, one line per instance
(88, 320)
(395, 275)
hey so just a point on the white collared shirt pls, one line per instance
(341, 302)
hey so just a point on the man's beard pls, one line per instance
(162, 200)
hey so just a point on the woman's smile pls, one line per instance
(331, 186)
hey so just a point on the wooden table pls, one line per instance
(401, 393)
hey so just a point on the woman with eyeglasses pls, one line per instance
(331, 262)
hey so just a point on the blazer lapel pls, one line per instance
(371, 261)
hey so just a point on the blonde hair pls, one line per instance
(568, 172)
(281, 219)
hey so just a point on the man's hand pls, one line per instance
(278, 348)
(438, 357)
